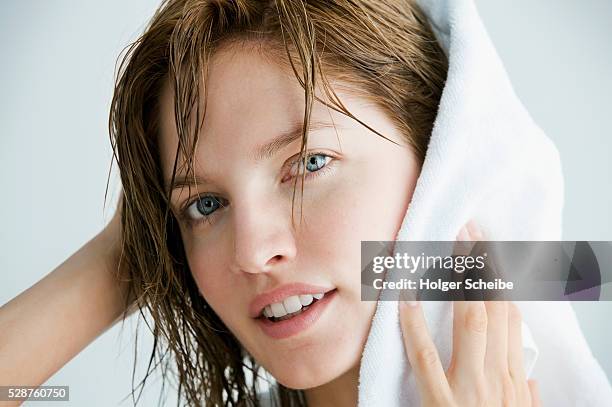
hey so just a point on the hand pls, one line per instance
(486, 367)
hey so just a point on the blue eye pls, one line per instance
(203, 207)
(314, 163)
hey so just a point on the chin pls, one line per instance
(315, 372)
(304, 380)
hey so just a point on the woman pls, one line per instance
(222, 106)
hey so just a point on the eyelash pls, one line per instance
(208, 218)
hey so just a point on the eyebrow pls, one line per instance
(262, 152)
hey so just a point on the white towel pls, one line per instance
(488, 161)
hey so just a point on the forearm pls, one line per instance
(51, 322)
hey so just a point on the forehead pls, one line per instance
(248, 100)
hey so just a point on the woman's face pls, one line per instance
(241, 246)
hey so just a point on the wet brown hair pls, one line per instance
(384, 49)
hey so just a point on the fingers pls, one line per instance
(535, 393)
(423, 355)
(464, 244)
(487, 359)
(469, 340)
(463, 241)
(497, 336)
(474, 230)
(469, 321)
(516, 364)
(470, 232)
(463, 234)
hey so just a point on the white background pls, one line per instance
(56, 81)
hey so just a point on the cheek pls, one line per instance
(367, 204)
(208, 265)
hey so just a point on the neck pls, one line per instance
(340, 392)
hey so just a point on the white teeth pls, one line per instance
(306, 300)
(292, 304)
(278, 309)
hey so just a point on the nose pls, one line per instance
(264, 237)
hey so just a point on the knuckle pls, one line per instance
(413, 324)
(476, 318)
(427, 357)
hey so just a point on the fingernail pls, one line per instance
(463, 234)
(475, 231)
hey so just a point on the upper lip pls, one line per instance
(280, 293)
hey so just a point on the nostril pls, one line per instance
(276, 259)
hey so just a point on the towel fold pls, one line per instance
(487, 161)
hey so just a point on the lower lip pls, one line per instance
(299, 323)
